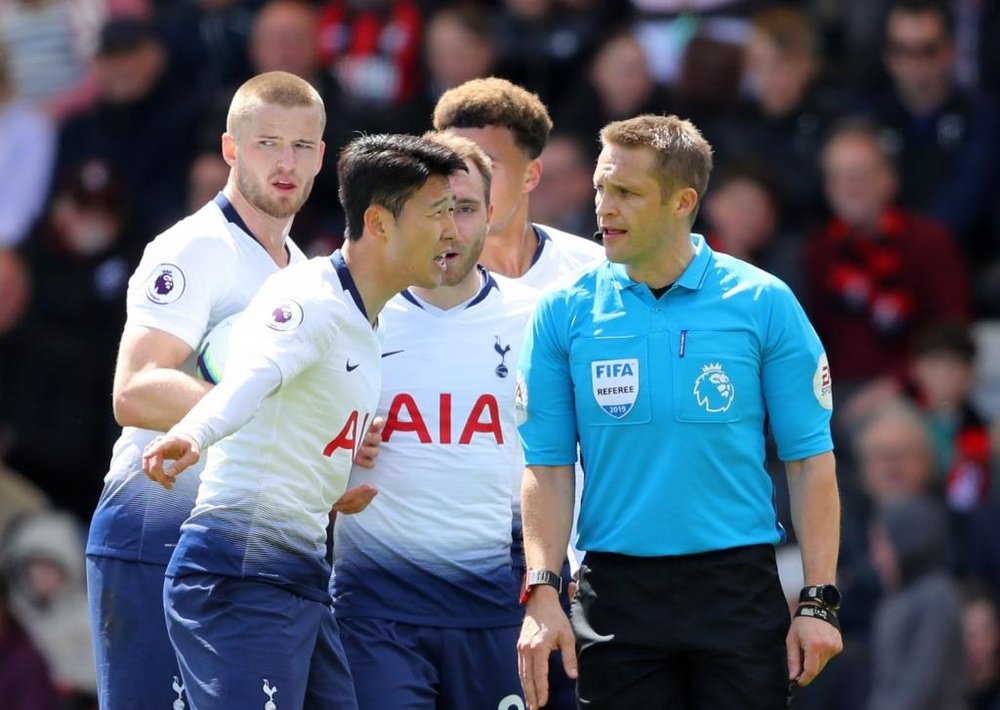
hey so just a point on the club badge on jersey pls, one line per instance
(615, 384)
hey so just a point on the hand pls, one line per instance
(181, 449)
(810, 643)
(368, 450)
(355, 499)
(545, 629)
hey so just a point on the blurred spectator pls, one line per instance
(206, 42)
(895, 459)
(870, 267)
(459, 45)
(787, 113)
(667, 28)
(943, 373)
(143, 125)
(18, 497)
(564, 197)
(372, 47)
(44, 563)
(981, 627)
(741, 219)
(48, 54)
(24, 674)
(918, 648)
(543, 42)
(208, 176)
(28, 138)
(80, 258)
(617, 85)
(947, 139)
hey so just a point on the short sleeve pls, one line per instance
(545, 387)
(176, 286)
(796, 379)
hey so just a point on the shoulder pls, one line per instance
(203, 232)
(583, 248)
(733, 276)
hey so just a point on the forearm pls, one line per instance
(157, 398)
(547, 496)
(231, 404)
(815, 502)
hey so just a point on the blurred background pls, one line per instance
(857, 147)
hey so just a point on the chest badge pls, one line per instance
(713, 389)
(615, 384)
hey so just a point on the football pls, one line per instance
(214, 349)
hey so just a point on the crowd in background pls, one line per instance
(857, 149)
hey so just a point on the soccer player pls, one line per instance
(203, 269)
(664, 363)
(512, 126)
(248, 579)
(422, 581)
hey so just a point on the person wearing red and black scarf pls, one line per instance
(876, 273)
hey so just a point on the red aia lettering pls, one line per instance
(405, 416)
(348, 437)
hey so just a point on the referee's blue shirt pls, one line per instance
(669, 397)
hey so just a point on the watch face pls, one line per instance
(830, 595)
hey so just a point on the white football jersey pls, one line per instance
(560, 255)
(433, 548)
(203, 269)
(267, 489)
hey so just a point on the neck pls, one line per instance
(270, 231)
(678, 254)
(926, 102)
(373, 279)
(511, 252)
(446, 297)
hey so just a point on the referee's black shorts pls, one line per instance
(692, 632)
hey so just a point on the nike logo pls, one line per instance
(392, 352)
(352, 368)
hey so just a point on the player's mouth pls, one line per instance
(284, 185)
(612, 232)
(442, 260)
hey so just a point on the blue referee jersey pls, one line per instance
(669, 399)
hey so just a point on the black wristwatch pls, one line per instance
(535, 577)
(826, 595)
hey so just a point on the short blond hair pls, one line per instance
(276, 88)
(468, 151)
(683, 156)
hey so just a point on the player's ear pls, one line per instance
(229, 149)
(378, 221)
(532, 175)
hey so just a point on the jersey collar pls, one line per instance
(692, 278)
(347, 281)
(232, 216)
(543, 237)
(485, 278)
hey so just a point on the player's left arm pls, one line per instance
(796, 384)
(812, 486)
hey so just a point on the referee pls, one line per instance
(665, 364)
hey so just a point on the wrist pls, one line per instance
(827, 596)
(540, 581)
(815, 611)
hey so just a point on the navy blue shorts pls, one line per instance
(248, 644)
(399, 665)
(136, 665)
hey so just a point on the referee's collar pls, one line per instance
(692, 278)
